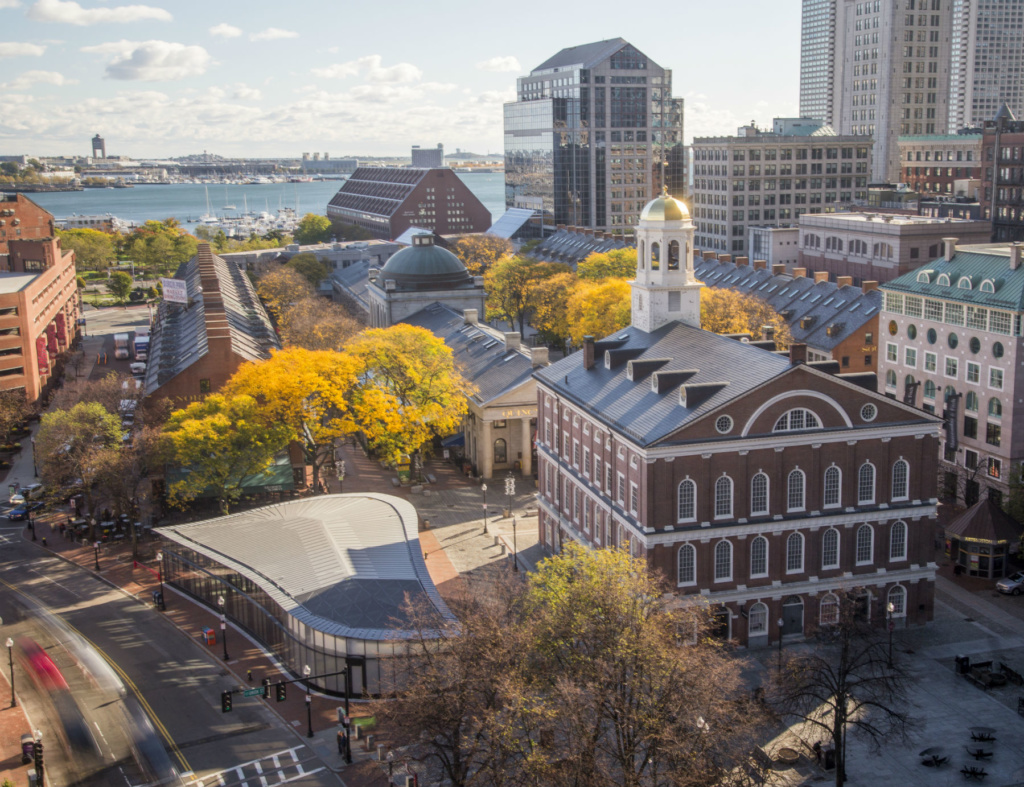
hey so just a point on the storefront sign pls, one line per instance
(519, 412)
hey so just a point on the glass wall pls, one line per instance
(529, 156)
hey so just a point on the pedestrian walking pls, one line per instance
(342, 741)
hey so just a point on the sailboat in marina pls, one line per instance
(208, 217)
(228, 206)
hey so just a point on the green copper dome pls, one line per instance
(665, 208)
(425, 266)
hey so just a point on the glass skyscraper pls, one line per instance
(593, 136)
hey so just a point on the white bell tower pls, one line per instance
(665, 289)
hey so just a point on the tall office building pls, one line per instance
(987, 64)
(428, 158)
(593, 136)
(817, 45)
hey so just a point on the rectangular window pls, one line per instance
(586, 462)
(910, 357)
(608, 479)
(970, 427)
(634, 498)
(575, 454)
(597, 471)
(952, 367)
(930, 361)
(955, 313)
(621, 496)
(891, 352)
(973, 372)
(586, 516)
(970, 459)
(933, 310)
(995, 379)
(913, 306)
(995, 468)
(1000, 322)
(576, 504)
(993, 433)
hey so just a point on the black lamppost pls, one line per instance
(890, 608)
(341, 476)
(160, 578)
(223, 625)
(391, 766)
(781, 623)
(309, 703)
(515, 547)
(10, 664)
(96, 553)
(31, 525)
(348, 725)
(483, 488)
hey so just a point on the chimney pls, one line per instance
(768, 333)
(844, 281)
(797, 353)
(559, 226)
(760, 265)
(820, 276)
(710, 255)
(799, 273)
(571, 228)
(469, 316)
(725, 258)
(512, 341)
(950, 244)
(539, 357)
(1014, 256)
(742, 261)
(778, 269)
(588, 352)
(868, 286)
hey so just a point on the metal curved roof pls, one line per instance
(423, 263)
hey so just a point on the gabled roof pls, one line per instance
(574, 247)
(980, 263)
(584, 55)
(378, 191)
(479, 352)
(724, 369)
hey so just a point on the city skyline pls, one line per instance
(251, 81)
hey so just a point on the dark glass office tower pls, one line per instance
(594, 135)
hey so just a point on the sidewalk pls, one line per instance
(13, 724)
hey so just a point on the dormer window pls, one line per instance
(964, 283)
(924, 277)
(987, 286)
(943, 280)
(797, 420)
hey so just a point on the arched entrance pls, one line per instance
(792, 616)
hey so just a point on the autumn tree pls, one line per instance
(613, 264)
(110, 391)
(312, 229)
(317, 323)
(14, 409)
(511, 287)
(598, 308)
(850, 681)
(309, 266)
(728, 311)
(119, 285)
(408, 388)
(308, 392)
(159, 245)
(94, 250)
(479, 252)
(282, 287)
(122, 473)
(222, 443)
(551, 308)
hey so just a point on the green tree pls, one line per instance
(313, 229)
(309, 266)
(222, 443)
(511, 287)
(615, 264)
(598, 308)
(345, 231)
(551, 308)
(160, 246)
(120, 285)
(94, 250)
(479, 252)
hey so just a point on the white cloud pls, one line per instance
(509, 63)
(122, 47)
(70, 12)
(10, 3)
(18, 49)
(370, 67)
(224, 30)
(30, 78)
(273, 34)
(243, 92)
(153, 61)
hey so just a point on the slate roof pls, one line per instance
(989, 261)
(633, 407)
(574, 247)
(584, 55)
(354, 281)
(479, 351)
(341, 564)
(809, 308)
(378, 191)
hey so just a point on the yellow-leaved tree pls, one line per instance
(598, 308)
(282, 287)
(614, 264)
(408, 388)
(728, 311)
(479, 252)
(308, 392)
(551, 307)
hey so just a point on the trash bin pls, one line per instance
(210, 636)
(830, 759)
(963, 665)
(27, 748)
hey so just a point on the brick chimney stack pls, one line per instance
(588, 352)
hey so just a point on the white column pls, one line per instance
(527, 447)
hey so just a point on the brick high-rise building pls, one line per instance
(1002, 176)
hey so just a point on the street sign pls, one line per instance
(253, 692)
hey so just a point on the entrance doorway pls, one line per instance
(792, 616)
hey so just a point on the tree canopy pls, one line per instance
(728, 311)
(317, 323)
(120, 285)
(598, 308)
(312, 229)
(479, 252)
(551, 307)
(615, 264)
(160, 245)
(94, 250)
(511, 287)
(309, 266)
(282, 287)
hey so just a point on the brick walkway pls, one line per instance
(13, 724)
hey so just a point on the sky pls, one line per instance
(369, 78)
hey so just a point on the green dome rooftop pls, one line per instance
(665, 208)
(425, 266)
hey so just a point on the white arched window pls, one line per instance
(758, 621)
(796, 420)
(833, 487)
(795, 487)
(829, 610)
(687, 565)
(943, 280)
(655, 256)
(866, 484)
(723, 497)
(759, 495)
(897, 597)
(687, 501)
(640, 257)
(898, 541)
(900, 479)
(865, 545)
(759, 557)
(830, 548)
(988, 286)
(723, 561)
(673, 255)
(794, 553)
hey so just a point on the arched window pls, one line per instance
(833, 486)
(655, 256)
(890, 378)
(640, 258)
(673, 255)
(971, 402)
(794, 553)
(829, 610)
(943, 280)
(898, 599)
(923, 277)
(723, 561)
(500, 451)
(759, 557)
(687, 565)
(758, 621)
(898, 541)
(687, 501)
(795, 491)
(797, 419)
(995, 408)
(900, 478)
(964, 283)
(723, 497)
(866, 484)
(988, 286)
(865, 545)
(759, 495)
(830, 548)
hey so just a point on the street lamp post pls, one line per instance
(160, 578)
(223, 625)
(32, 526)
(890, 608)
(515, 547)
(483, 488)
(781, 623)
(341, 476)
(96, 553)
(309, 703)
(391, 766)
(10, 664)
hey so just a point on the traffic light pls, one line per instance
(266, 688)
(225, 702)
(37, 756)
(282, 691)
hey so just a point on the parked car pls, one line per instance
(22, 511)
(1013, 584)
(33, 491)
(138, 368)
